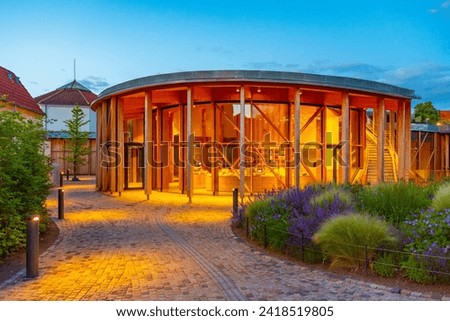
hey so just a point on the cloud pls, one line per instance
(445, 5)
(354, 70)
(430, 81)
(95, 84)
(272, 65)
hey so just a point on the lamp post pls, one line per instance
(32, 246)
(60, 203)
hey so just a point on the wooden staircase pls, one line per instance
(390, 157)
(389, 174)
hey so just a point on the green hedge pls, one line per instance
(24, 177)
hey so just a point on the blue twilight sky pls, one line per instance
(401, 42)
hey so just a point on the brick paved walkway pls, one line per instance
(125, 248)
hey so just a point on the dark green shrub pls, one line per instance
(24, 182)
(268, 221)
(385, 265)
(415, 270)
(394, 202)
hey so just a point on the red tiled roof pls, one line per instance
(15, 92)
(445, 114)
(68, 95)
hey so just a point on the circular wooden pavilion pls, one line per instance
(212, 131)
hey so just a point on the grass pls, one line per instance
(344, 238)
(441, 200)
(394, 202)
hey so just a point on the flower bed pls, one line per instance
(406, 238)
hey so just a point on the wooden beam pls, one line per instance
(98, 177)
(380, 119)
(121, 147)
(158, 172)
(113, 140)
(148, 146)
(190, 147)
(104, 138)
(345, 138)
(242, 145)
(435, 154)
(297, 151)
(407, 137)
(214, 169)
(182, 149)
(446, 153)
(401, 135)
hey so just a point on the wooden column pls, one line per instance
(297, 151)
(401, 139)
(104, 169)
(407, 138)
(345, 138)
(380, 119)
(98, 143)
(214, 168)
(121, 148)
(324, 142)
(182, 150)
(113, 141)
(158, 172)
(148, 145)
(393, 119)
(436, 149)
(288, 152)
(190, 145)
(446, 153)
(242, 145)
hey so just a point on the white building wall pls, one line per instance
(56, 115)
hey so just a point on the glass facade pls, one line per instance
(218, 123)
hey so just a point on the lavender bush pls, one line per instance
(293, 215)
(314, 205)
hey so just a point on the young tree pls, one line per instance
(426, 113)
(78, 140)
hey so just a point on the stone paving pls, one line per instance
(127, 248)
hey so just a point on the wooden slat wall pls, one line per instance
(59, 151)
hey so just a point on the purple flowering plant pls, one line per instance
(314, 205)
(293, 216)
(428, 235)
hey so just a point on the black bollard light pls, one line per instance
(235, 201)
(60, 203)
(61, 179)
(32, 246)
(67, 174)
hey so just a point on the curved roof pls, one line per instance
(236, 76)
(70, 94)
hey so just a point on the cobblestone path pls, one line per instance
(127, 248)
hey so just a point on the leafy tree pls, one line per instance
(24, 172)
(426, 113)
(78, 140)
